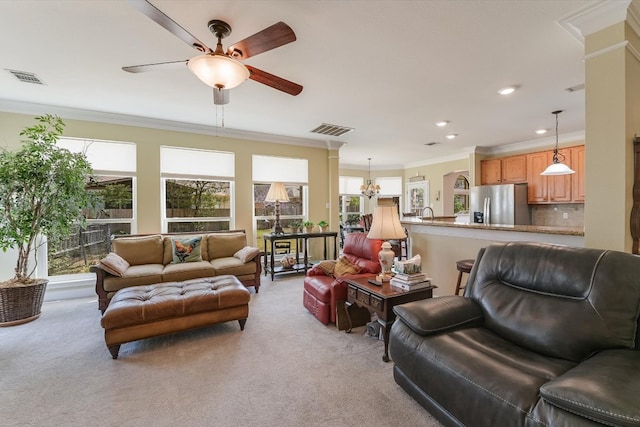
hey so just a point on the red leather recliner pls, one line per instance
(322, 293)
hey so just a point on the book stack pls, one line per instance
(410, 281)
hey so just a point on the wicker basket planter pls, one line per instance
(22, 303)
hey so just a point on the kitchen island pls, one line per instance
(441, 243)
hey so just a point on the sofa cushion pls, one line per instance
(139, 250)
(604, 388)
(187, 270)
(247, 253)
(186, 250)
(168, 247)
(222, 245)
(521, 287)
(135, 275)
(114, 264)
(327, 266)
(232, 265)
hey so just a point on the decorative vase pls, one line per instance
(22, 303)
(324, 228)
(309, 229)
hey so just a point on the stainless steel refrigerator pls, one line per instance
(505, 204)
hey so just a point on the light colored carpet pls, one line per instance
(284, 369)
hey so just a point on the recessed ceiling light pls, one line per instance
(507, 90)
(452, 135)
(541, 131)
(442, 123)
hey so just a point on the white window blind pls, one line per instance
(104, 156)
(188, 162)
(280, 169)
(390, 186)
(350, 184)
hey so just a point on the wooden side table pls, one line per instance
(381, 300)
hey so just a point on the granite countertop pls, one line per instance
(570, 231)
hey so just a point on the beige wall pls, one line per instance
(612, 81)
(434, 174)
(148, 142)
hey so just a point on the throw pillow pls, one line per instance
(344, 266)
(114, 264)
(186, 250)
(247, 253)
(327, 266)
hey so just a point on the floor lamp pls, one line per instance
(386, 226)
(277, 193)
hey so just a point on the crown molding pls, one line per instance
(21, 107)
(597, 16)
(533, 144)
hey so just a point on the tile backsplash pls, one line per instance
(560, 215)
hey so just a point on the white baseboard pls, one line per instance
(70, 287)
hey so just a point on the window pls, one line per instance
(195, 199)
(294, 174)
(461, 195)
(390, 191)
(113, 184)
(350, 207)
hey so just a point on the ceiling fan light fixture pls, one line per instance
(218, 71)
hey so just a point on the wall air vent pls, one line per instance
(25, 77)
(333, 130)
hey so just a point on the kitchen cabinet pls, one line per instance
(537, 184)
(490, 171)
(577, 180)
(556, 189)
(506, 170)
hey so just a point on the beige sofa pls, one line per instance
(149, 259)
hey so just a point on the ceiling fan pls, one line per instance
(219, 69)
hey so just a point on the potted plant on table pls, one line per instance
(295, 226)
(42, 193)
(308, 226)
(324, 226)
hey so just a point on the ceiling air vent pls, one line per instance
(333, 130)
(25, 77)
(575, 88)
(431, 143)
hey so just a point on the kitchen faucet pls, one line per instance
(430, 210)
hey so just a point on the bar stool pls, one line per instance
(463, 266)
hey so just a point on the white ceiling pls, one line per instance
(389, 69)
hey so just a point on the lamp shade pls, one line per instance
(558, 169)
(219, 71)
(386, 224)
(277, 193)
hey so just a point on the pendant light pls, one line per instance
(557, 168)
(369, 190)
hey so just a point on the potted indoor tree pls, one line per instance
(42, 193)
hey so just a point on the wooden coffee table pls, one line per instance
(380, 300)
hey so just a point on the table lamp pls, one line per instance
(277, 193)
(386, 226)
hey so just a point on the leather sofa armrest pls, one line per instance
(604, 388)
(436, 315)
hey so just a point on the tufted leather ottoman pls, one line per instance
(139, 312)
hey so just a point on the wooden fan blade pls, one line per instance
(270, 38)
(274, 81)
(174, 65)
(168, 24)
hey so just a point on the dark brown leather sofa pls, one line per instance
(545, 335)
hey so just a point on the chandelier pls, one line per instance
(369, 190)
